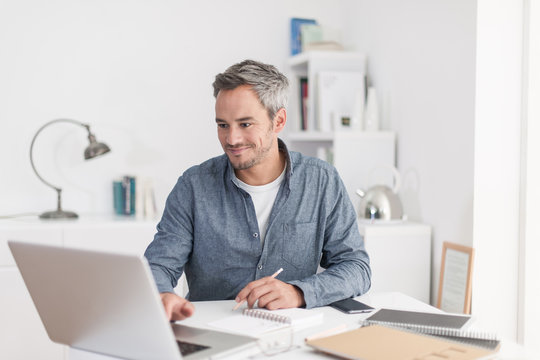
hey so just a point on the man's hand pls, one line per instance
(176, 307)
(272, 294)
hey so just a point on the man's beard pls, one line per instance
(259, 156)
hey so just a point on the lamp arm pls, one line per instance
(58, 190)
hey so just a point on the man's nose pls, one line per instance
(234, 135)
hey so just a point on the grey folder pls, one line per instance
(109, 304)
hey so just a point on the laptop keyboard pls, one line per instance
(187, 348)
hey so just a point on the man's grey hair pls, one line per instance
(271, 86)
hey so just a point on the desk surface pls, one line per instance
(208, 311)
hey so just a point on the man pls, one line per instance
(234, 220)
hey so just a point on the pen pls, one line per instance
(243, 301)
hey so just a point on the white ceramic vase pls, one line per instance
(371, 115)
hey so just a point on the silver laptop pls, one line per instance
(109, 304)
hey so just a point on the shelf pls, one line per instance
(304, 58)
(332, 136)
(310, 136)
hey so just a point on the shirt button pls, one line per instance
(255, 235)
(259, 267)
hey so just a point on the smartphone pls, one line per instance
(351, 306)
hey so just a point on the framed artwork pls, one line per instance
(455, 283)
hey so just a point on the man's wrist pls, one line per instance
(300, 294)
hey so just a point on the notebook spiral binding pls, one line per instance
(471, 337)
(267, 316)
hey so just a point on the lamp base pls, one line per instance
(58, 215)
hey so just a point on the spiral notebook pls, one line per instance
(255, 322)
(449, 326)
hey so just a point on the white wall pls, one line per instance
(139, 72)
(421, 59)
(497, 164)
(529, 295)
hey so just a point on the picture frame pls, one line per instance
(455, 282)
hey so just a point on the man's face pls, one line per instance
(245, 131)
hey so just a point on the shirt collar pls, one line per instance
(289, 171)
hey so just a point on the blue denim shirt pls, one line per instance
(209, 230)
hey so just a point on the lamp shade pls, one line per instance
(95, 148)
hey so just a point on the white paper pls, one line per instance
(254, 326)
(455, 281)
(247, 325)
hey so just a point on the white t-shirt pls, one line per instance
(263, 197)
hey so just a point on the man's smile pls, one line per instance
(237, 150)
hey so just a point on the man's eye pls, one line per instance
(222, 126)
(245, 125)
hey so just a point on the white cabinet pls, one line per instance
(22, 335)
(400, 257)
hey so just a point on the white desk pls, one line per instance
(212, 310)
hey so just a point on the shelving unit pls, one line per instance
(354, 153)
(308, 65)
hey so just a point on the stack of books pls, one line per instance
(134, 196)
(296, 33)
(307, 35)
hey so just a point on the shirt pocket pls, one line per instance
(300, 246)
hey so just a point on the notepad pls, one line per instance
(255, 322)
(414, 318)
(449, 326)
(378, 342)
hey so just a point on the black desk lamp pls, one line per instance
(93, 150)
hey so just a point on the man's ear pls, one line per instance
(280, 119)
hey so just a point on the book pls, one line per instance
(128, 187)
(449, 326)
(296, 36)
(304, 103)
(255, 322)
(150, 210)
(323, 46)
(133, 196)
(118, 197)
(377, 342)
(139, 198)
(310, 33)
